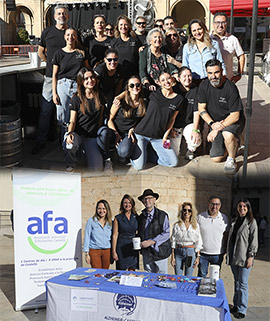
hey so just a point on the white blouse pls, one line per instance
(185, 237)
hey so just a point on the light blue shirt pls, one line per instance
(196, 60)
(95, 236)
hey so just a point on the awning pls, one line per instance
(241, 8)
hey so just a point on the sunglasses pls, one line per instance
(109, 29)
(137, 85)
(172, 35)
(158, 26)
(187, 210)
(215, 204)
(141, 23)
(112, 59)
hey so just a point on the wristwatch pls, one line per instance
(211, 123)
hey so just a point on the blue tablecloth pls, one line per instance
(185, 292)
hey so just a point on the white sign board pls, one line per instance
(83, 300)
(47, 231)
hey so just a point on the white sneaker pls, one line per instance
(108, 166)
(230, 166)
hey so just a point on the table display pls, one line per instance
(96, 294)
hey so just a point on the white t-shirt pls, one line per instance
(212, 230)
(229, 47)
(186, 237)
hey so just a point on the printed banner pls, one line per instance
(47, 231)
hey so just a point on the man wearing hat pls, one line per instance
(154, 231)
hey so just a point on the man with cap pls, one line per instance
(154, 231)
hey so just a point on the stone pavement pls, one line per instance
(259, 285)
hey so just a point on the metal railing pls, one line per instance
(17, 50)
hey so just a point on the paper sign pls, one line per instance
(131, 280)
(83, 300)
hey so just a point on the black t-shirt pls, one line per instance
(87, 124)
(96, 49)
(106, 82)
(128, 54)
(69, 63)
(142, 39)
(185, 115)
(177, 55)
(122, 123)
(159, 112)
(220, 101)
(52, 39)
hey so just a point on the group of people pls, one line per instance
(195, 241)
(138, 92)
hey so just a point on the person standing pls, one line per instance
(154, 231)
(229, 47)
(186, 241)
(52, 39)
(97, 237)
(241, 249)
(125, 226)
(213, 226)
(141, 33)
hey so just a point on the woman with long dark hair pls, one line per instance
(97, 43)
(125, 116)
(199, 49)
(186, 241)
(86, 117)
(187, 121)
(174, 47)
(67, 61)
(125, 226)
(97, 237)
(163, 107)
(242, 247)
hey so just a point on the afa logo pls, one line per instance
(46, 226)
(125, 304)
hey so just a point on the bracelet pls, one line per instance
(211, 123)
(203, 112)
(69, 133)
(196, 130)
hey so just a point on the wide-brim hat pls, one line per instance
(148, 192)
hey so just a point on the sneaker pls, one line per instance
(230, 166)
(239, 315)
(38, 148)
(108, 166)
(189, 155)
(70, 169)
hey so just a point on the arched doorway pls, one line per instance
(184, 11)
(21, 18)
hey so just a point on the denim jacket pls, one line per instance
(196, 60)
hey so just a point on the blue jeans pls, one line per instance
(46, 109)
(92, 152)
(206, 259)
(66, 88)
(165, 157)
(240, 298)
(181, 255)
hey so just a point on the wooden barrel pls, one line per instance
(10, 140)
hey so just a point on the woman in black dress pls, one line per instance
(124, 229)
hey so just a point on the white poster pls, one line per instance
(83, 300)
(47, 231)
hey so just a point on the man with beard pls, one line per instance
(52, 39)
(221, 108)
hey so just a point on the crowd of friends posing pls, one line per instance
(131, 92)
(195, 241)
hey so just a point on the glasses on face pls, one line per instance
(158, 26)
(172, 35)
(215, 204)
(186, 210)
(137, 85)
(109, 29)
(141, 24)
(112, 59)
(148, 198)
(220, 23)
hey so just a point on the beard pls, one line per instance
(215, 82)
